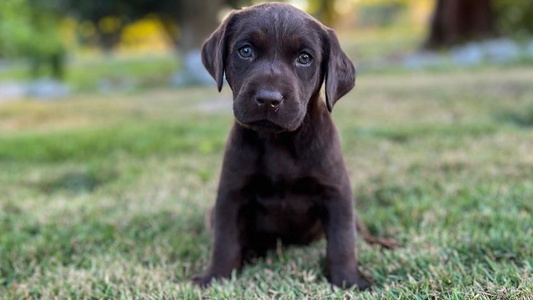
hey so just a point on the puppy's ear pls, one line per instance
(214, 51)
(340, 71)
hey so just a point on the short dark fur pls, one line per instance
(283, 176)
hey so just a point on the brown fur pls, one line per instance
(283, 176)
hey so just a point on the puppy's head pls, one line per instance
(276, 58)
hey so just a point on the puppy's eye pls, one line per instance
(304, 58)
(245, 51)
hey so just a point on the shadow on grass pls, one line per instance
(519, 116)
(75, 182)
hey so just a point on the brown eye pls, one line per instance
(304, 58)
(245, 51)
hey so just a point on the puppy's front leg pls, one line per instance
(226, 255)
(341, 259)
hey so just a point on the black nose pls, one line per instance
(266, 97)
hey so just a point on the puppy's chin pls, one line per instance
(265, 126)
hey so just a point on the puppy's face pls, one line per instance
(273, 67)
(275, 58)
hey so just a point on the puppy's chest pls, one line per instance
(295, 195)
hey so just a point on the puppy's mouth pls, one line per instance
(265, 125)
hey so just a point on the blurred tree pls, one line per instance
(186, 22)
(107, 18)
(323, 10)
(30, 29)
(189, 22)
(457, 21)
(381, 13)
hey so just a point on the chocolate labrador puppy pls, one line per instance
(283, 176)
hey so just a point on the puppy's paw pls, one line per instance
(203, 281)
(347, 279)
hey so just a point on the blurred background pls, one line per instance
(112, 136)
(58, 47)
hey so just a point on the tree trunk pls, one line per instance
(108, 41)
(458, 21)
(323, 10)
(195, 21)
(327, 14)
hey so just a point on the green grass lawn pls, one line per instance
(104, 196)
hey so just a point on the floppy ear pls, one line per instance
(340, 71)
(214, 52)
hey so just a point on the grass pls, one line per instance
(105, 196)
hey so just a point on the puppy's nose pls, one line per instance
(270, 98)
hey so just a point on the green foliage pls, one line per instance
(14, 29)
(514, 17)
(28, 28)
